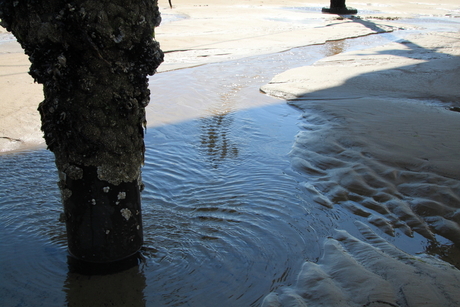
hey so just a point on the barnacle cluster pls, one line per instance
(93, 58)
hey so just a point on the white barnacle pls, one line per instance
(93, 201)
(107, 231)
(126, 213)
(106, 189)
(117, 39)
(121, 195)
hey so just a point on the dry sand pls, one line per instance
(19, 118)
(377, 139)
(199, 32)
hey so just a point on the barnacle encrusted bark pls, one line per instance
(93, 58)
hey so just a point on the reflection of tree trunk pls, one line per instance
(92, 58)
(124, 288)
(215, 139)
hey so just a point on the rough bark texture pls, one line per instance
(93, 58)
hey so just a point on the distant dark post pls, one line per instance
(93, 58)
(339, 7)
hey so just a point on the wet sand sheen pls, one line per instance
(381, 144)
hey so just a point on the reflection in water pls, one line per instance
(118, 289)
(447, 252)
(215, 138)
(223, 235)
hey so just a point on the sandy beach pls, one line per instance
(380, 140)
(203, 32)
(379, 134)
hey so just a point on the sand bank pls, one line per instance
(396, 98)
(380, 140)
(203, 32)
(356, 273)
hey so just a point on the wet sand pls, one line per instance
(202, 32)
(377, 139)
(380, 139)
(369, 272)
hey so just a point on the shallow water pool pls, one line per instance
(227, 219)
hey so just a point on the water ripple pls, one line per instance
(226, 219)
(224, 223)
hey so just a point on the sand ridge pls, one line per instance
(372, 272)
(379, 139)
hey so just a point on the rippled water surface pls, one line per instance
(226, 219)
(223, 217)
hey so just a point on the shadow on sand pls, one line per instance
(383, 145)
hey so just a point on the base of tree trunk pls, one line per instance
(92, 268)
(93, 58)
(103, 220)
(339, 10)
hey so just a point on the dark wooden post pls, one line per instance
(93, 58)
(339, 7)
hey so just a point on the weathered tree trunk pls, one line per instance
(338, 4)
(339, 7)
(93, 58)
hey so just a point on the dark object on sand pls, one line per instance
(339, 7)
(93, 58)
